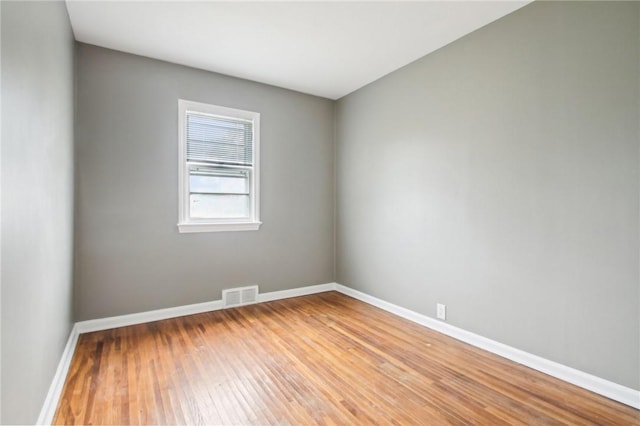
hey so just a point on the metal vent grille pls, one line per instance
(239, 296)
(249, 295)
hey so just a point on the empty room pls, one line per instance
(368, 212)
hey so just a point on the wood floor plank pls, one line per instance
(323, 359)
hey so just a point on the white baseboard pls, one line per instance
(148, 316)
(55, 390)
(197, 308)
(295, 292)
(595, 384)
(579, 378)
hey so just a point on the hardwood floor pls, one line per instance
(320, 359)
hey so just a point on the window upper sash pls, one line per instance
(219, 140)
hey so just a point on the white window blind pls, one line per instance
(219, 140)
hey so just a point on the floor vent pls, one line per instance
(239, 296)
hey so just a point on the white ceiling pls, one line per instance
(328, 48)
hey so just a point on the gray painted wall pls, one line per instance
(499, 175)
(37, 201)
(129, 254)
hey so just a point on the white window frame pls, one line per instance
(185, 222)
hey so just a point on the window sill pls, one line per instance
(218, 227)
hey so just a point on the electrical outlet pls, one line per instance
(441, 311)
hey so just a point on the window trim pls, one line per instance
(187, 224)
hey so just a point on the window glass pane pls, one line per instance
(206, 206)
(216, 181)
